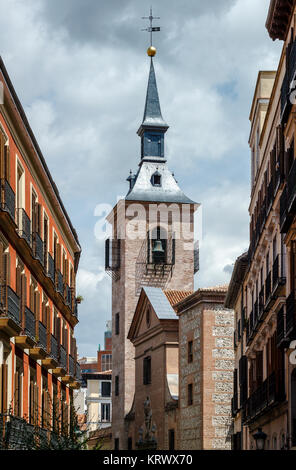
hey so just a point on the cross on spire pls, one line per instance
(151, 29)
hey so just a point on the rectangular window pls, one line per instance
(116, 385)
(117, 323)
(106, 362)
(190, 351)
(147, 370)
(116, 443)
(106, 389)
(105, 412)
(190, 394)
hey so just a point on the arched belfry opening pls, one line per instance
(157, 246)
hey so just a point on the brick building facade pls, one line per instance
(206, 362)
(39, 255)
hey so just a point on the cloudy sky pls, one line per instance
(80, 69)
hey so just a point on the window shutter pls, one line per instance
(16, 393)
(59, 331)
(38, 209)
(18, 280)
(47, 316)
(58, 260)
(7, 163)
(31, 403)
(43, 316)
(6, 272)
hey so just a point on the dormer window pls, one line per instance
(156, 179)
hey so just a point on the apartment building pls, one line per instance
(39, 256)
(262, 288)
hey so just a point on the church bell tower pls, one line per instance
(152, 244)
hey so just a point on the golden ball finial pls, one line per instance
(151, 51)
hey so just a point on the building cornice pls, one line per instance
(278, 18)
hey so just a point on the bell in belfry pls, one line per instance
(158, 252)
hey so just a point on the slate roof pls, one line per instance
(152, 112)
(143, 190)
(160, 303)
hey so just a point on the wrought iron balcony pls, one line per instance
(54, 351)
(63, 357)
(68, 295)
(13, 304)
(75, 309)
(278, 273)
(112, 257)
(78, 371)
(50, 267)
(42, 336)
(38, 247)
(271, 391)
(71, 366)
(267, 288)
(24, 225)
(59, 282)
(30, 327)
(7, 198)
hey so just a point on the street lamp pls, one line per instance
(260, 438)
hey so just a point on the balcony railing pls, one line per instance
(75, 309)
(278, 272)
(78, 371)
(68, 295)
(42, 337)
(30, 327)
(59, 282)
(269, 392)
(267, 287)
(7, 198)
(71, 366)
(54, 347)
(38, 247)
(24, 225)
(13, 304)
(50, 267)
(63, 357)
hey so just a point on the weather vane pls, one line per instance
(151, 29)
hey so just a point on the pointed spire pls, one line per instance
(152, 112)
